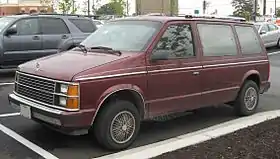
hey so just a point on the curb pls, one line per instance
(273, 53)
(156, 149)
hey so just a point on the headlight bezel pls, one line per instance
(71, 96)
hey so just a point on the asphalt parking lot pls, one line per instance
(37, 139)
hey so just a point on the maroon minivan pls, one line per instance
(143, 67)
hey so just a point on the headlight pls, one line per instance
(70, 99)
(62, 101)
(63, 88)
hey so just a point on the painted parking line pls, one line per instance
(5, 84)
(27, 143)
(159, 148)
(9, 115)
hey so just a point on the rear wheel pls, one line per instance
(117, 125)
(248, 99)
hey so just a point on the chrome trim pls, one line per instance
(167, 70)
(47, 79)
(219, 90)
(44, 104)
(235, 63)
(110, 76)
(176, 69)
(35, 105)
(57, 94)
(108, 95)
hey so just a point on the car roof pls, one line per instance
(48, 15)
(164, 19)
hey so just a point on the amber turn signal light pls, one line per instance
(73, 90)
(72, 103)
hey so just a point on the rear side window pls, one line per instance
(86, 26)
(249, 40)
(217, 40)
(53, 26)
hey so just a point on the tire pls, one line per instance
(111, 112)
(240, 106)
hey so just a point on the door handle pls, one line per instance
(196, 73)
(64, 36)
(36, 38)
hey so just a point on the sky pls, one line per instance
(185, 6)
(188, 6)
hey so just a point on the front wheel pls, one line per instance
(117, 125)
(248, 99)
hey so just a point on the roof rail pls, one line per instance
(76, 15)
(217, 17)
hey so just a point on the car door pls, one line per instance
(55, 33)
(220, 53)
(173, 71)
(265, 35)
(274, 34)
(25, 45)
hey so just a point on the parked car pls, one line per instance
(27, 37)
(139, 68)
(270, 33)
(98, 23)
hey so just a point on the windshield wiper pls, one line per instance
(107, 49)
(83, 48)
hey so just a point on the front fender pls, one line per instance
(115, 89)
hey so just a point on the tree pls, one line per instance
(67, 6)
(46, 4)
(278, 12)
(106, 9)
(115, 7)
(85, 6)
(243, 8)
(119, 6)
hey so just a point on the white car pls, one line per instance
(98, 23)
(269, 32)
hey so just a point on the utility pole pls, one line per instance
(204, 6)
(275, 8)
(264, 7)
(73, 5)
(88, 7)
(255, 10)
(127, 8)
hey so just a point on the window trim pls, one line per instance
(161, 33)
(41, 30)
(26, 18)
(272, 25)
(89, 20)
(224, 56)
(259, 39)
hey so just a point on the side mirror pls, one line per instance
(159, 55)
(263, 32)
(11, 31)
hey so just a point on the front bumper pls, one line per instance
(53, 117)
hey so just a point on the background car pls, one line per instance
(270, 33)
(27, 37)
(98, 23)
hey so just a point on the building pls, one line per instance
(24, 6)
(157, 6)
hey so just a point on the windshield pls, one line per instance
(123, 35)
(257, 26)
(4, 21)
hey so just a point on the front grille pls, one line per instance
(35, 88)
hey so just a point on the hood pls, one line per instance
(63, 66)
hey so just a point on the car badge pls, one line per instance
(37, 66)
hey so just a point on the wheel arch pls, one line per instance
(253, 75)
(124, 91)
